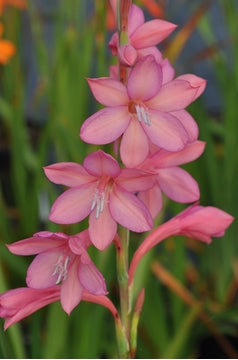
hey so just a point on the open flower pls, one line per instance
(103, 191)
(140, 111)
(143, 36)
(174, 182)
(61, 259)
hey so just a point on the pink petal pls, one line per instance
(174, 95)
(141, 87)
(152, 50)
(71, 289)
(129, 211)
(188, 122)
(40, 272)
(178, 185)
(152, 198)
(73, 205)
(114, 43)
(135, 18)
(167, 70)
(108, 91)
(134, 144)
(91, 278)
(80, 242)
(164, 158)
(67, 173)
(165, 131)
(34, 245)
(127, 55)
(19, 303)
(99, 163)
(103, 229)
(209, 220)
(105, 126)
(195, 81)
(134, 180)
(151, 33)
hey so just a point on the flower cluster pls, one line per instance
(145, 117)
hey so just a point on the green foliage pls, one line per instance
(168, 326)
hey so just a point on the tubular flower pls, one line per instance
(100, 189)
(174, 182)
(197, 222)
(61, 259)
(19, 303)
(144, 110)
(143, 36)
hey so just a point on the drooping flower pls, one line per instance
(19, 303)
(100, 189)
(144, 110)
(176, 183)
(197, 222)
(61, 259)
(143, 36)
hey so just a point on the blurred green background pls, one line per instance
(191, 308)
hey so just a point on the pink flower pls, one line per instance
(176, 183)
(197, 222)
(62, 259)
(140, 111)
(143, 36)
(19, 303)
(103, 191)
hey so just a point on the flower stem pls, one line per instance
(122, 274)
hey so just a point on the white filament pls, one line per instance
(98, 202)
(61, 268)
(142, 115)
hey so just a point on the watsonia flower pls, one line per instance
(100, 189)
(64, 260)
(141, 111)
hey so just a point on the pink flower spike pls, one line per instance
(19, 303)
(198, 222)
(97, 198)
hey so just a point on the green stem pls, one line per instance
(122, 274)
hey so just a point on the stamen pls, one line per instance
(98, 202)
(61, 268)
(145, 116)
(142, 114)
(138, 112)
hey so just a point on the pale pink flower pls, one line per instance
(61, 259)
(100, 189)
(176, 183)
(197, 222)
(143, 36)
(140, 111)
(19, 303)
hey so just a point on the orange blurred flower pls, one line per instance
(21, 4)
(153, 8)
(7, 49)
